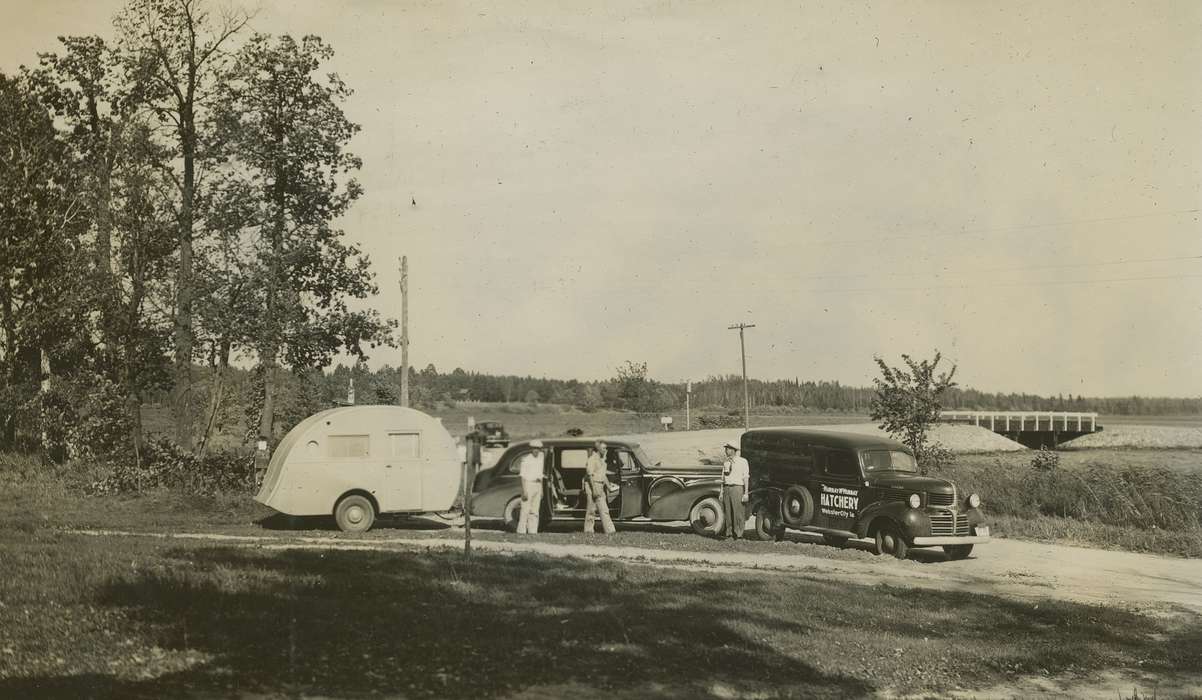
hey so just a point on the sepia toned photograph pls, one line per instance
(623, 350)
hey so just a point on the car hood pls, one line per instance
(913, 482)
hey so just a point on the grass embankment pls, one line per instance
(1136, 500)
(138, 617)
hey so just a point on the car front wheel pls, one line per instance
(706, 517)
(354, 513)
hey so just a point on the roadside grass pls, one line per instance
(131, 617)
(1136, 500)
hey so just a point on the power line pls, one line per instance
(1003, 269)
(996, 285)
(1002, 229)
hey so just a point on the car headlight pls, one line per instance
(915, 500)
(974, 501)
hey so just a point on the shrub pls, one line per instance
(720, 421)
(166, 465)
(1045, 460)
(574, 432)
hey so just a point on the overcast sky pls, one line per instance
(1013, 183)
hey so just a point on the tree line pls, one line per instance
(167, 202)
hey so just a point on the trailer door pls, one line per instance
(403, 461)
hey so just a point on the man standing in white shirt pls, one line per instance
(531, 470)
(736, 474)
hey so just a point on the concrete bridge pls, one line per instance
(1030, 428)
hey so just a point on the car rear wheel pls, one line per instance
(706, 517)
(956, 552)
(513, 511)
(768, 525)
(354, 513)
(797, 509)
(889, 540)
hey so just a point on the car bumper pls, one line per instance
(967, 539)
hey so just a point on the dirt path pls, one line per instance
(1026, 570)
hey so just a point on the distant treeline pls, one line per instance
(639, 393)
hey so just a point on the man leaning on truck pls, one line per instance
(736, 474)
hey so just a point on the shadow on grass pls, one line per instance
(325, 523)
(356, 623)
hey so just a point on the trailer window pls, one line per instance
(405, 444)
(349, 446)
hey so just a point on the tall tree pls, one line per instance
(181, 48)
(41, 220)
(291, 135)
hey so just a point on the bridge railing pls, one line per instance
(1018, 421)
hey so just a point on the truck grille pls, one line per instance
(945, 524)
(896, 495)
(940, 499)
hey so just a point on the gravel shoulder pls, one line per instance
(1029, 571)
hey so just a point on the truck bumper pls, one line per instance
(971, 539)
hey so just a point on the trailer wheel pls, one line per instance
(706, 517)
(354, 513)
(798, 507)
(513, 511)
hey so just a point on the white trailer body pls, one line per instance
(393, 459)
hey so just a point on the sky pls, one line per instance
(1015, 184)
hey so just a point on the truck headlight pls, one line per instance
(974, 501)
(915, 500)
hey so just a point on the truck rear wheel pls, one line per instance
(797, 508)
(354, 513)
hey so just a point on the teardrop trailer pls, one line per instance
(358, 462)
(848, 486)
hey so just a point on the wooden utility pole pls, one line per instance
(472, 442)
(688, 395)
(743, 352)
(405, 331)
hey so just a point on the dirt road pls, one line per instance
(1025, 570)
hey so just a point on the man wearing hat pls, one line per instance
(736, 474)
(530, 468)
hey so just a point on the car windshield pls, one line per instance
(642, 457)
(888, 460)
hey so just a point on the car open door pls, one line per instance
(627, 500)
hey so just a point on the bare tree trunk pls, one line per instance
(182, 388)
(216, 394)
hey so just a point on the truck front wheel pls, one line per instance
(955, 552)
(889, 540)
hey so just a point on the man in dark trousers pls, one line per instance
(736, 474)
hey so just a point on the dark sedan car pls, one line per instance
(642, 489)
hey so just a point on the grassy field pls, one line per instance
(149, 618)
